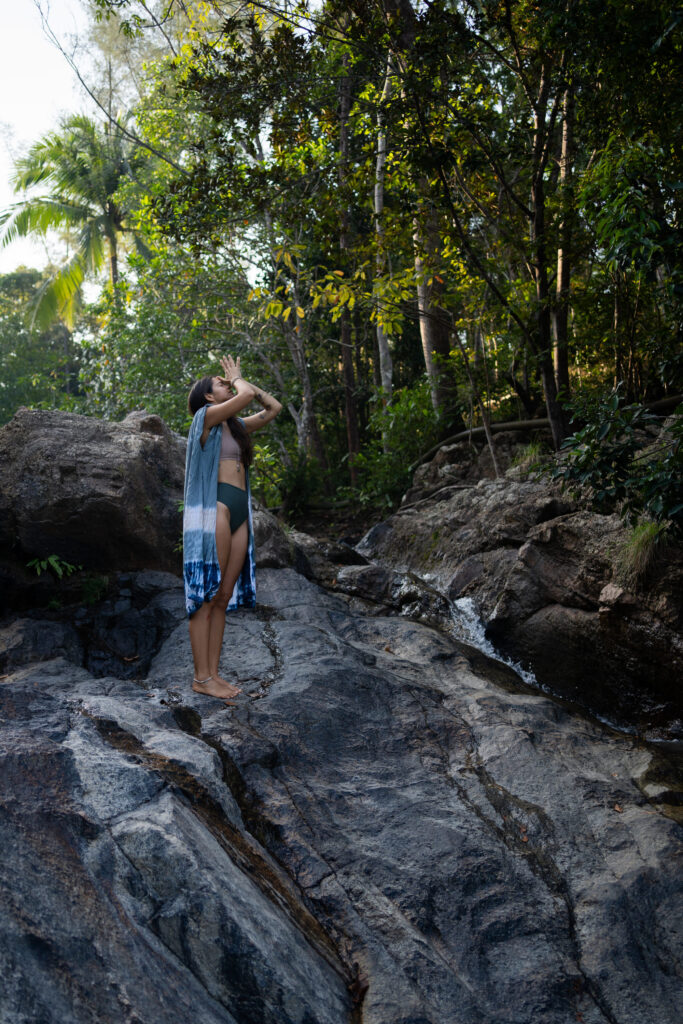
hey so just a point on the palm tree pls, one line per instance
(82, 166)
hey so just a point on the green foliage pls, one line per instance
(59, 566)
(163, 328)
(402, 432)
(267, 473)
(639, 552)
(632, 205)
(531, 459)
(257, 214)
(612, 456)
(37, 368)
(302, 484)
(93, 588)
(80, 166)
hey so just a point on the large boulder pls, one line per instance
(101, 495)
(547, 578)
(105, 498)
(382, 817)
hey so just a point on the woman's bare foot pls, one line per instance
(234, 690)
(214, 686)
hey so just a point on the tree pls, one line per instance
(82, 165)
(492, 176)
(37, 368)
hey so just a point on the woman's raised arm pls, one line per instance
(219, 411)
(271, 407)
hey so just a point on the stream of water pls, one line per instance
(468, 627)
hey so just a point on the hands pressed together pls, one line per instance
(231, 370)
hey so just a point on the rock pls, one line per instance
(105, 496)
(544, 575)
(119, 634)
(587, 639)
(133, 896)
(97, 494)
(26, 641)
(468, 462)
(390, 591)
(376, 811)
(276, 547)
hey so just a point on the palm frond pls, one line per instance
(38, 216)
(59, 296)
(91, 246)
(82, 165)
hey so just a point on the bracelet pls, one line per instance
(232, 382)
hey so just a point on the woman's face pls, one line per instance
(220, 391)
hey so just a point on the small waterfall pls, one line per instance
(468, 627)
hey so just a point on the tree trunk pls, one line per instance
(483, 412)
(541, 335)
(308, 434)
(385, 363)
(352, 433)
(113, 263)
(435, 324)
(617, 330)
(561, 311)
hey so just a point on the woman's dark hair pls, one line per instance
(197, 398)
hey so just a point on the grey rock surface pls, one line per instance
(545, 577)
(381, 807)
(98, 494)
(467, 462)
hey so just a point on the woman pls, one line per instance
(218, 565)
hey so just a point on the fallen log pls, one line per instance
(661, 406)
(496, 428)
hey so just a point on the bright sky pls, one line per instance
(37, 86)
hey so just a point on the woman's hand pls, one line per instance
(231, 369)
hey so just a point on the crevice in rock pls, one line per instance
(266, 616)
(539, 859)
(246, 855)
(266, 834)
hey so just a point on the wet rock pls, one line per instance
(376, 809)
(545, 576)
(592, 640)
(388, 591)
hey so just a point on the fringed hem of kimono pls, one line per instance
(201, 569)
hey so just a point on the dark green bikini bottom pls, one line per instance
(236, 500)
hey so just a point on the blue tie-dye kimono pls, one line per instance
(201, 571)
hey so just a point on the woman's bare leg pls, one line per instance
(239, 542)
(200, 622)
(199, 640)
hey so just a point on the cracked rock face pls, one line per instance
(381, 807)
